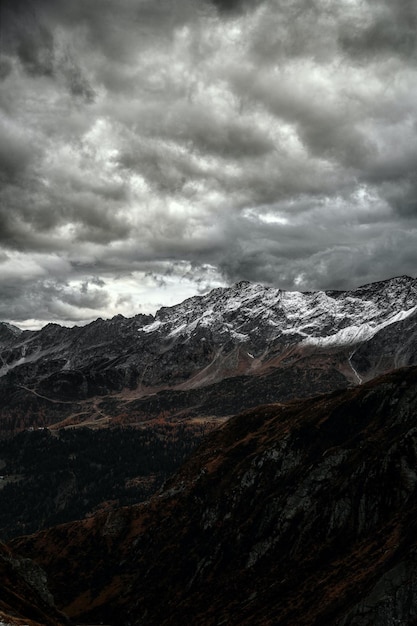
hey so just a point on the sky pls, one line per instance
(151, 150)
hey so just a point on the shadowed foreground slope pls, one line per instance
(24, 597)
(302, 514)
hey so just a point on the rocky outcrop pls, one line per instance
(391, 601)
(24, 595)
(302, 514)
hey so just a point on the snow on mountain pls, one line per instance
(245, 312)
(305, 343)
(250, 316)
(354, 333)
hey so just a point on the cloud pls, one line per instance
(382, 29)
(16, 151)
(35, 50)
(234, 6)
(5, 67)
(183, 144)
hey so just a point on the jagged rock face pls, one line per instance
(302, 514)
(236, 334)
(24, 595)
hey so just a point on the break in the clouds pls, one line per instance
(152, 149)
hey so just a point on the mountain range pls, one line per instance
(210, 356)
(297, 507)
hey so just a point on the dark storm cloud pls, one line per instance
(5, 67)
(31, 40)
(26, 32)
(174, 144)
(359, 256)
(51, 299)
(402, 197)
(234, 6)
(390, 29)
(113, 28)
(16, 151)
(35, 50)
(74, 77)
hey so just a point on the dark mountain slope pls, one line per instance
(301, 514)
(50, 478)
(24, 596)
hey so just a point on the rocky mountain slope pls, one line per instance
(301, 513)
(212, 355)
(24, 596)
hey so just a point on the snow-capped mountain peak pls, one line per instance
(246, 312)
(305, 342)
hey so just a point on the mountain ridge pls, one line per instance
(237, 332)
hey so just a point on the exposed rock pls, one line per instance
(34, 576)
(391, 602)
(24, 594)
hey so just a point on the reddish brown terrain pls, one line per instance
(304, 513)
(24, 597)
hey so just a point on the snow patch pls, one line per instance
(359, 379)
(239, 337)
(355, 334)
(150, 328)
(180, 330)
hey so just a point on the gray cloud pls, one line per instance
(156, 149)
(235, 6)
(50, 299)
(388, 29)
(35, 49)
(16, 151)
(5, 67)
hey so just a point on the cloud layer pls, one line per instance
(150, 150)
